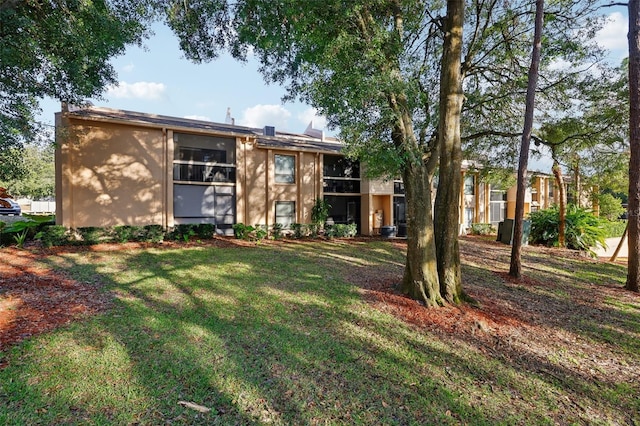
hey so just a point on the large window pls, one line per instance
(285, 168)
(341, 175)
(203, 159)
(285, 213)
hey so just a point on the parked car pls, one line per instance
(13, 209)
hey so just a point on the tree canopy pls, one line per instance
(60, 49)
(374, 69)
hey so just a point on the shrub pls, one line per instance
(260, 232)
(610, 206)
(122, 233)
(299, 230)
(614, 228)
(91, 235)
(483, 229)
(277, 231)
(242, 231)
(314, 229)
(152, 233)
(340, 230)
(55, 235)
(583, 230)
(205, 230)
(320, 211)
(21, 230)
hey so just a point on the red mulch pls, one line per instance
(35, 299)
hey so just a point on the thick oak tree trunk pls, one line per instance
(447, 206)
(420, 280)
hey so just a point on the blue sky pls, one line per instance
(159, 80)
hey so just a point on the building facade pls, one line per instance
(125, 168)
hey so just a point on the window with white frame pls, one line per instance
(498, 206)
(285, 168)
(285, 213)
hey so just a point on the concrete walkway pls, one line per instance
(612, 244)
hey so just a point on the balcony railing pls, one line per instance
(194, 172)
(341, 186)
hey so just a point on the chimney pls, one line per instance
(269, 131)
(228, 119)
(314, 133)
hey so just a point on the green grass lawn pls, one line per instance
(277, 334)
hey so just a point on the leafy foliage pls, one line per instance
(483, 229)
(614, 228)
(320, 211)
(584, 229)
(610, 206)
(59, 49)
(38, 179)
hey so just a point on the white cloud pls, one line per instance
(198, 117)
(613, 35)
(265, 115)
(139, 90)
(311, 115)
(129, 67)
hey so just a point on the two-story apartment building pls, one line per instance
(126, 168)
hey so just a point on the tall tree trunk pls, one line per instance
(633, 267)
(562, 202)
(447, 206)
(420, 280)
(515, 269)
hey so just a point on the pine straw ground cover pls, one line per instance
(295, 332)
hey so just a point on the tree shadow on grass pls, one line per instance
(276, 334)
(255, 348)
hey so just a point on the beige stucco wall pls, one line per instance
(256, 189)
(111, 175)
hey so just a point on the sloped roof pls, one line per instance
(282, 140)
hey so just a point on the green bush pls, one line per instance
(300, 230)
(55, 235)
(260, 232)
(124, 233)
(610, 206)
(21, 230)
(182, 232)
(242, 231)
(614, 228)
(205, 230)
(90, 235)
(320, 211)
(152, 233)
(583, 230)
(340, 230)
(277, 231)
(483, 229)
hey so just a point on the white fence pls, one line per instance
(38, 207)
